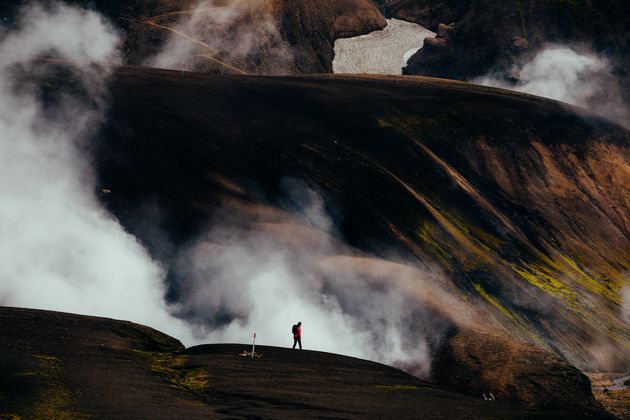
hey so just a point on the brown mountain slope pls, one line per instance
(311, 28)
(519, 203)
(58, 365)
(234, 36)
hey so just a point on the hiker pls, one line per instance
(297, 334)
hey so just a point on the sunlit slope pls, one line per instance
(521, 202)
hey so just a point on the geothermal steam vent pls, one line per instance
(380, 52)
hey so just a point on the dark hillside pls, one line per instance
(308, 27)
(521, 202)
(57, 365)
(492, 35)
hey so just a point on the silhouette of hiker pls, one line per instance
(297, 334)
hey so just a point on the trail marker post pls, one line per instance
(254, 346)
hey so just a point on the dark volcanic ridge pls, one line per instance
(62, 365)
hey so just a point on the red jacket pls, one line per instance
(299, 333)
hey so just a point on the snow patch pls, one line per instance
(381, 52)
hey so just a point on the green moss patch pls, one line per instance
(174, 369)
(494, 302)
(51, 399)
(545, 279)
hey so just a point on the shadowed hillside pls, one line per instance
(491, 36)
(511, 203)
(234, 36)
(297, 36)
(58, 365)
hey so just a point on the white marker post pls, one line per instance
(254, 346)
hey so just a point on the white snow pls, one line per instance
(381, 52)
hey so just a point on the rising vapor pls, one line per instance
(265, 274)
(59, 249)
(583, 79)
(233, 36)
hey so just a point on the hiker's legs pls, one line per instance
(299, 340)
(295, 340)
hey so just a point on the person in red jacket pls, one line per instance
(297, 334)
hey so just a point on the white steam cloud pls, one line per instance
(582, 79)
(59, 249)
(233, 36)
(262, 277)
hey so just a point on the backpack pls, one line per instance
(294, 329)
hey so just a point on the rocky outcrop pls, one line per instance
(442, 40)
(311, 28)
(491, 36)
(501, 369)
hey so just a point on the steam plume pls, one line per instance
(233, 36)
(58, 248)
(582, 79)
(263, 276)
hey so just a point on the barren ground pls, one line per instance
(58, 365)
